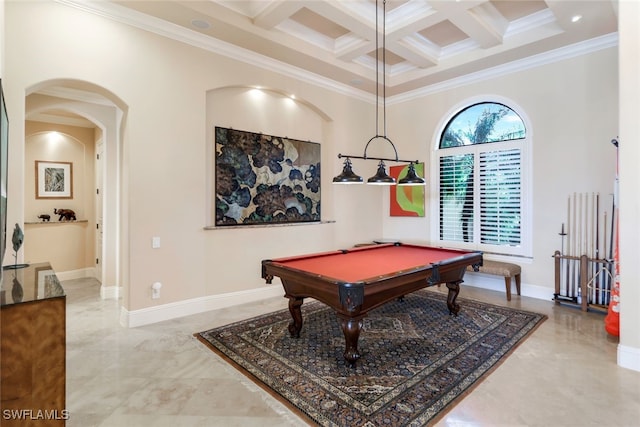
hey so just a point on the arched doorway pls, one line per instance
(69, 104)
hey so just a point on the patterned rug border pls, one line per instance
(453, 397)
(257, 381)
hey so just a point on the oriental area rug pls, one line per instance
(416, 360)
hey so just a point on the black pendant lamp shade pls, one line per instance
(381, 177)
(347, 176)
(411, 178)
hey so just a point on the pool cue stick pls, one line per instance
(585, 251)
(587, 221)
(594, 251)
(583, 223)
(587, 232)
(575, 242)
(597, 249)
(567, 265)
(611, 237)
(579, 254)
(592, 239)
(589, 253)
(582, 238)
(562, 261)
(604, 251)
(572, 235)
(599, 255)
(604, 234)
(613, 214)
(592, 225)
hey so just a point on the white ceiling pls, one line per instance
(333, 42)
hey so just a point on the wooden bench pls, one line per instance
(504, 269)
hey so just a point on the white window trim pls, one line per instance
(526, 247)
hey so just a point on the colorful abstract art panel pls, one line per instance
(406, 200)
(265, 179)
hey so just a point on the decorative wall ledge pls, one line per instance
(55, 222)
(289, 224)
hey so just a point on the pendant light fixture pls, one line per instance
(381, 177)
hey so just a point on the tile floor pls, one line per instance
(159, 375)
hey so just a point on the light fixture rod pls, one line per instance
(381, 137)
(377, 158)
(377, 80)
(384, 66)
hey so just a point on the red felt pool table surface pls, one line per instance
(360, 264)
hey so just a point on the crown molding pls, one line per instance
(139, 20)
(567, 52)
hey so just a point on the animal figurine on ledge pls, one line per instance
(67, 214)
(44, 217)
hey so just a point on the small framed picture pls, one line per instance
(54, 180)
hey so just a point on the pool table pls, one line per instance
(355, 281)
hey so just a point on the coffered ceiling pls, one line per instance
(428, 44)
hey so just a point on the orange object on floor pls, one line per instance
(612, 319)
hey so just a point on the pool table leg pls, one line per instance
(454, 290)
(351, 329)
(296, 323)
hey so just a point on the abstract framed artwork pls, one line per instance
(264, 179)
(54, 180)
(406, 200)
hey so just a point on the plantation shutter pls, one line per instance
(500, 197)
(456, 198)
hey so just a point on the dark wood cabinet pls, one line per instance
(32, 348)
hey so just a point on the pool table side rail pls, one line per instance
(331, 253)
(376, 290)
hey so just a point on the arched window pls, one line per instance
(480, 183)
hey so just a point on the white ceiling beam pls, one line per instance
(416, 52)
(276, 12)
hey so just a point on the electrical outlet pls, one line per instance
(155, 290)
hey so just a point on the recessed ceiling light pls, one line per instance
(356, 82)
(576, 18)
(200, 24)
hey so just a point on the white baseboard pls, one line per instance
(145, 316)
(76, 274)
(496, 283)
(629, 357)
(106, 292)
